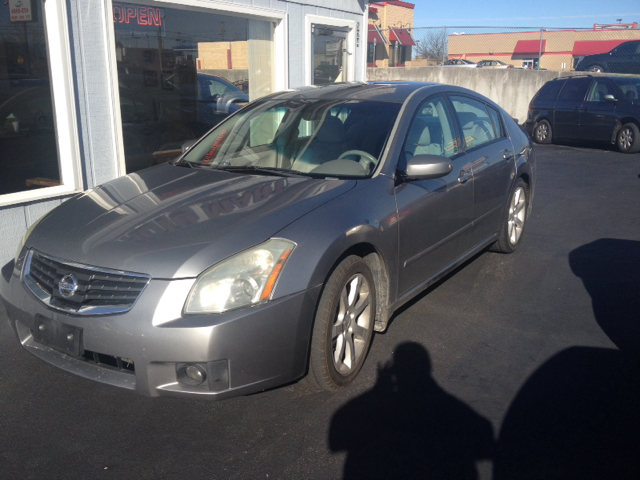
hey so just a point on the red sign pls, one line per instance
(144, 16)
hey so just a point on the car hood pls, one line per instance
(174, 222)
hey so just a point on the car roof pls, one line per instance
(376, 91)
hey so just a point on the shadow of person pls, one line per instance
(578, 415)
(408, 427)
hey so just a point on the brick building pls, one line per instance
(550, 50)
(390, 42)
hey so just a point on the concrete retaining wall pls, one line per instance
(512, 89)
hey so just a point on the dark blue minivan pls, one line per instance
(594, 108)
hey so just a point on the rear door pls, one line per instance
(569, 106)
(491, 155)
(434, 216)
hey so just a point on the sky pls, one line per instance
(523, 13)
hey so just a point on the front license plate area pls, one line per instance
(59, 336)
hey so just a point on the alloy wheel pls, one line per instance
(625, 138)
(350, 330)
(542, 132)
(516, 215)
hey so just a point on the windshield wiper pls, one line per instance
(280, 172)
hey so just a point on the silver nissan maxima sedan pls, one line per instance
(276, 245)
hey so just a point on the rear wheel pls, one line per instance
(542, 132)
(343, 326)
(513, 226)
(629, 138)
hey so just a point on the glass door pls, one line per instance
(330, 54)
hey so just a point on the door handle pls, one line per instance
(464, 175)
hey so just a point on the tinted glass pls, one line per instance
(497, 122)
(575, 89)
(549, 91)
(28, 148)
(181, 72)
(627, 48)
(431, 132)
(477, 127)
(323, 137)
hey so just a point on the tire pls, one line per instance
(596, 69)
(343, 326)
(542, 132)
(628, 139)
(513, 225)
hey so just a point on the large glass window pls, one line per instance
(181, 72)
(28, 148)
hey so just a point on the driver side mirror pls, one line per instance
(609, 98)
(425, 167)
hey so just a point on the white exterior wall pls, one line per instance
(90, 36)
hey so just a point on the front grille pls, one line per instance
(97, 291)
(109, 361)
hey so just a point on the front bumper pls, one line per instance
(251, 349)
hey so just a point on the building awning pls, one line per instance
(591, 47)
(402, 36)
(525, 47)
(376, 35)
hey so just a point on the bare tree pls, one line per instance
(432, 43)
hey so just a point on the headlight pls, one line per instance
(245, 279)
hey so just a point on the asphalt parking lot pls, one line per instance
(515, 366)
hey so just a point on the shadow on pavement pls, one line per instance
(578, 415)
(408, 427)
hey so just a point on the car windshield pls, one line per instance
(320, 137)
(630, 86)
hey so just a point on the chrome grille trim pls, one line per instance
(100, 291)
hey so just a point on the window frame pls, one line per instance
(64, 108)
(280, 40)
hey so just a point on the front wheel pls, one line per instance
(513, 226)
(596, 69)
(542, 133)
(343, 326)
(628, 139)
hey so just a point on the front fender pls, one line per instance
(364, 216)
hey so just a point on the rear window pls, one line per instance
(549, 91)
(575, 89)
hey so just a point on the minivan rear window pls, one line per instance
(549, 91)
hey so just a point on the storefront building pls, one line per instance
(91, 90)
(550, 50)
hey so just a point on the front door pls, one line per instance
(433, 215)
(599, 116)
(329, 54)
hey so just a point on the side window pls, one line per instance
(575, 89)
(432, 131)
(599, 89)
(549, 91)
(498, 126)
(477, 128)
(263, 128)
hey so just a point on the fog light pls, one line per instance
(191, 373)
